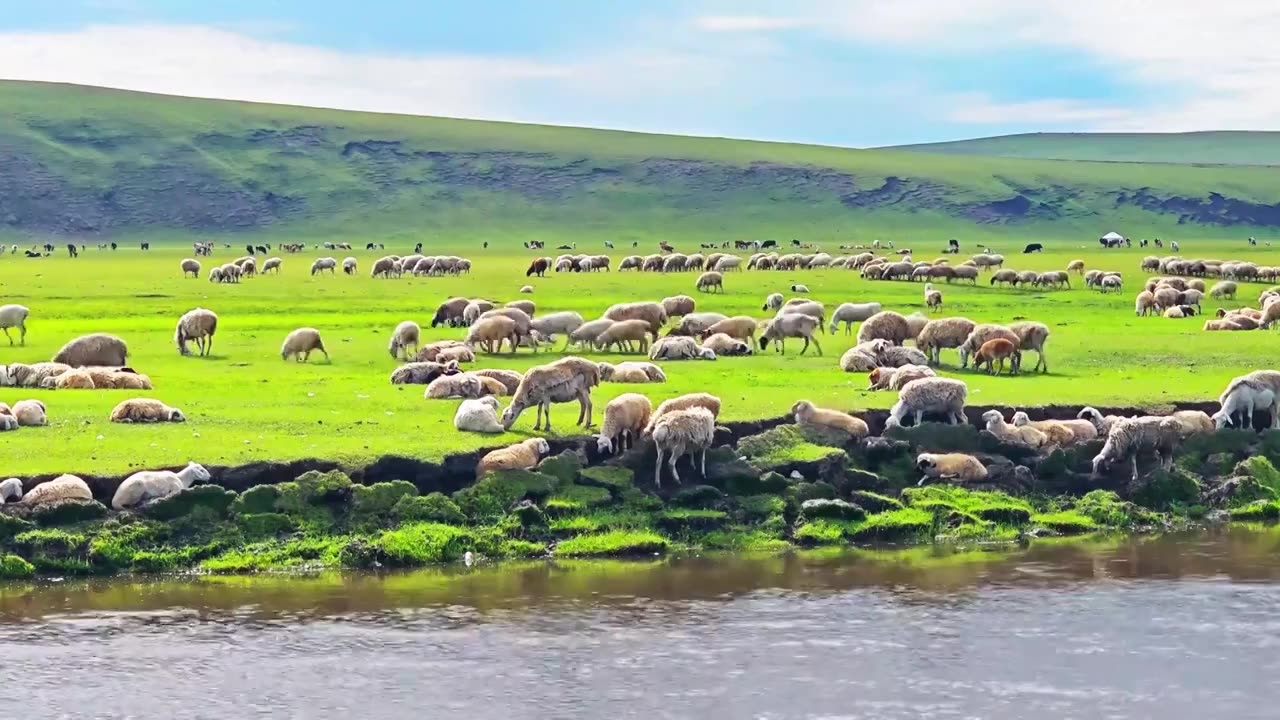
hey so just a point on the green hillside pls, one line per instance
(1197, 148)
(86, 161)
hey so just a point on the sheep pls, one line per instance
(474, 309)
(951, 466)
(587, 333)
(739, 327)
(894, 378)
(980, 335)
(95, 349)
(627, 373)
(998, 349)
(328, 263)
(683, 402)
(405, 334)
(1102, 424)
(526, 289)
(1016, 434)
(1145, 304)
(1130, 436)
(1176, 312)
(849, 313)
(858, 359)
(558, 323)
(932, 298)
(809, 415)
(421, 373)
(199, 325)
(463, 385)
(145, 410)
(1032, 336)
(231, 273)
(722, 344)
(33, 375)
(650, 312)
(696, 323)
(899, 355)
(30, 413)
(773, 301)
(450, 311)
(943, 333)
(510, 379)
(480, 415)
(623, 334)
(930, 395)
(726, 263)
(1059, 432)
(249, 267)
(273, 263)
(962, 272)
(803, 306)
(1191, 422)
(1165, 297)
(301, 343)
(14, 316)
(799, 289)
(155, 484)
(1110, 282)
(654, 373)
(75, 379)
(490, 332)
(1223, 324)
(1190, 296)
(679, 348)
(682, 432)
(915, 323)
(386, 267)
(1270, 313)
(1244, 394)
(564, 380)
(678, 305)
(710, 282)
(1076, 266)
(215, 275)
(791, 325)
(1009, 277)
(1223, 290)
(190, 265)
(63, 487)
(885, 325)
(631, 262)
(625, 418)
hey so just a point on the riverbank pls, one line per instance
(767, 489)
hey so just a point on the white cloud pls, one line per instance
(746, 23)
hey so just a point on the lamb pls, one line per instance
(981, 334)
(301, 343)
(696, 324)
(932, 298)
(885, 325)
(722, 344)
(462, 385)
(479, 416)
(1102, 424)
(421, 373)
(738, 327)
(930, 395)
(791, 325)
(564, 380)
(682, 432)
(678, 305)
(773, 302)
(328, 263)
(145, 410)
(1131, 436)
(14, 316)
(625, 418)
(849, 313)
(998, 349)
(650, 312)
(273, 263)
(628, 373)
(623, 334)
(1018, 435)
(558, 323)
(809, 415)
(63, 487)
(943, 333)
(710, 281)
(198, 325)
(679, 348)
(30, 413)
(95, 349)
(490, 332)
(586, 333)
(192, 266)
(951, 466)
(510, 379)
(405, 334)
(1060, 432)
(155, 484)
(1246, 393)
(450, 311)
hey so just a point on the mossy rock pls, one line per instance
(312, 489)
(1016, 453)
(617, 543)
(375, 502)
(261, 526)
(529, 515)
(874, 502)
(523, 549)
(614, 478)
(11, 525)
(1260, 469)
(894, 526)
(698, 496)
(1268, 445)
(1106, 508)
(564, 467)
(859, 479)
(803, 492)
(575, 498)
(825, 435)
(214, 498)
(820, 532)
(1004, 514)
(1066, 523)
(257, 500)
(785, 450)
(491, 496)
(435, 507)
(13, 567)
(735, 475)
(638, 500)
(1259, 511)
(67, 512)
(828, 508)
(678, 520)
(1231, 441)
(876, 452)
(761, 507)
(1163, 490)
(51, 542)
(936, 437)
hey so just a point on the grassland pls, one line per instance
(245, 403)
(1200, 148)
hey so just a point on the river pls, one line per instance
(1177, 626)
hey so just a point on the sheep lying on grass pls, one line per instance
(724, 345)
(33, 375)
(679, 348)
(523, 455)
(63, 487)
(809, 415)
(510, 379)
(145, 410)
(463, 385)
(625, 418)
(1059, 432)
(1014, 434)
(891, 378)
(950, 466)
(148, 485)
(422, 373)
(479, 416)
(30, 413)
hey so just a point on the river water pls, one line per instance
(1183, 626)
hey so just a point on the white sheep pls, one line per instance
(155, 484)
(273, 263)
(1131, 436)
(301, 343)
(932, 297)
(1246, 393)
(1102, 424)
(63, 487)
(773, 302)
(1060, 432)
(683, 402)
(885, 325)
(526, 289)
(625, 418)
(710, 281)
(799, 288)
(30, 413)
(479, 416)
(330, 264)
(951, 466)
(930, 395)
(190, 265)
(1015, 434)
(722, 344)
(683, 432)
(199, 325)
(462, 385)
(523, 455)
(405, 334)
(944, 333)
(791, 325)
(10, 490)
(849, 313)
(679, 348)
(14, 316)
(809, 415)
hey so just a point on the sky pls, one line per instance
(858, 73)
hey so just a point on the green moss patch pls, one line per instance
(955, 505)
(1067, 522)
(258, 499)
(375, 502)
(739, 539)
(1106, 508)
(435, 507)
(894, 526)
(271, 555)
(679, 520)
(13, 567)
(563, 467)
(759, 507)
(67, 512)
(821, 532)
(785, 446)
(1259, 511)
(214, 498)
(611, 477)
(261, 526)
(490, 497)
(617, 543)
(874, 502)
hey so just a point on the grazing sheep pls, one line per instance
(145, 410)
(1032, 336)
(386, 267)
(1165, 298)
(932, 298)
(849, 313)
(587, 333)
(450, 312)
(1129, 437)
(63, 487)
(479, 416)
(773, 302)
(625, 418)
(330, 264)
(1145, 304)
(885, 325)
(1009, 277)
(95, 349)
(951, 466)
(943, 333)
(739, 327)
(215, 275)
(421, 373)
(650, 312)
(1110, 283)
(564, 380)
(474, 309)
(980, 335)
(510, 379)
(273, 263)
(1059, 432)
(930, 395)
(998, 349)
(231, 273)
(198, 325)
(405, 334)
(791, 325)
(1246, 393)
(710, 281)
(1223, 290)
(490, 332)
(809, 415)
(678, 305)
(726, 263)
(558, 323)
(190, 266)
(301, 343)
(30, 413)
(803, 306)
(624, 333)
(679, 348)
(683, 402)
(1076, 266)
(724, 345)
(155, 484)
(696, 324)
(682, 432)
(14, 316)
(1016, 434)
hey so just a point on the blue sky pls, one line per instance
(842, 72)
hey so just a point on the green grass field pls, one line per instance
(244, 403)
(1205, 148)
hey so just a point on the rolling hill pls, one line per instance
(1195, 148)
(82, 161)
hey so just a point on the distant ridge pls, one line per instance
(1191, 148)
